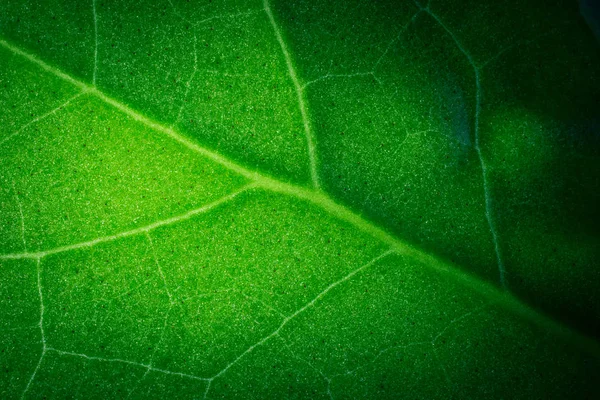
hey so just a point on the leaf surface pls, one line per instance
(298, 199)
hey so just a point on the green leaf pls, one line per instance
(312, 199)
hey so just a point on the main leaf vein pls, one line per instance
(316, 197)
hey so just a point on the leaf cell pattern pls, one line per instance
(180, 215)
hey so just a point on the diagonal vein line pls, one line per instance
(396, 38)
(310, 139)
(484, 171)
(326, 203)
(329, 76)
(32, 378)
(143, 229)
(302, 309)
(41, 117)
(219, 159)
(43, 65)
(121, 361)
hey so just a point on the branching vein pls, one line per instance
(396, 38)
(484, 171)
(330, 76)
(41, 117)
(287, 319)
(316, 197)
(133, 363)
(137, 231)
(219, 159)
(299, 92)
(41, 326)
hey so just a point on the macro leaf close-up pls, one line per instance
(271, 199)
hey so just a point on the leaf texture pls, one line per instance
(301, 199)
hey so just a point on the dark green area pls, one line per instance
(398, 142)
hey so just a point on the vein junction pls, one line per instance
(484, 171)
(137, 231)
(310, 139)
(478, 94)
(258, 180)
(285, 321)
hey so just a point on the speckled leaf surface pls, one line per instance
(307, 199)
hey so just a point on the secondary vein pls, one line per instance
(484, 171)
(310, 139)
(299, 311)
(316, 197)
(141, 230)
(16, 192)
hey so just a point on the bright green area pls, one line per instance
(161, 235)
(213, 71)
